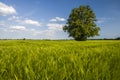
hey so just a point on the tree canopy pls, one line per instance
(81, 23)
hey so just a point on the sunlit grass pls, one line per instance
(59, 60)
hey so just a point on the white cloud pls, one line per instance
(2, 23)
(51, 34)
(6, 10)
(57, 19)
(55, 26)
(54, 31)
(20, 32)
(100, 21)
(46, 33)
(22, 28)
(25, 21)
(31, 22)
(103, 20)
(13, 18)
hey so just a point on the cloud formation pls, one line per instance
(103, 20)
(2, 23)
(24, 21)
(22, 28)
(31, 22)
(57, 19)
(17, 26)
(6, 10)
(14, 18)
(55, 26)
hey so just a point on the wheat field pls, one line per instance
(59, 60)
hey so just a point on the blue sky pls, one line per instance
(44, 19)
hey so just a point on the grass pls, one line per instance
(59, 60)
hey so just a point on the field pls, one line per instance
(59, 60)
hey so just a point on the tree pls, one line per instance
(81, 23)
(118, 38)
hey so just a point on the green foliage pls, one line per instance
(118, 38)
(59, 60)
(81, 23)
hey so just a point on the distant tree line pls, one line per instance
(117, 38)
